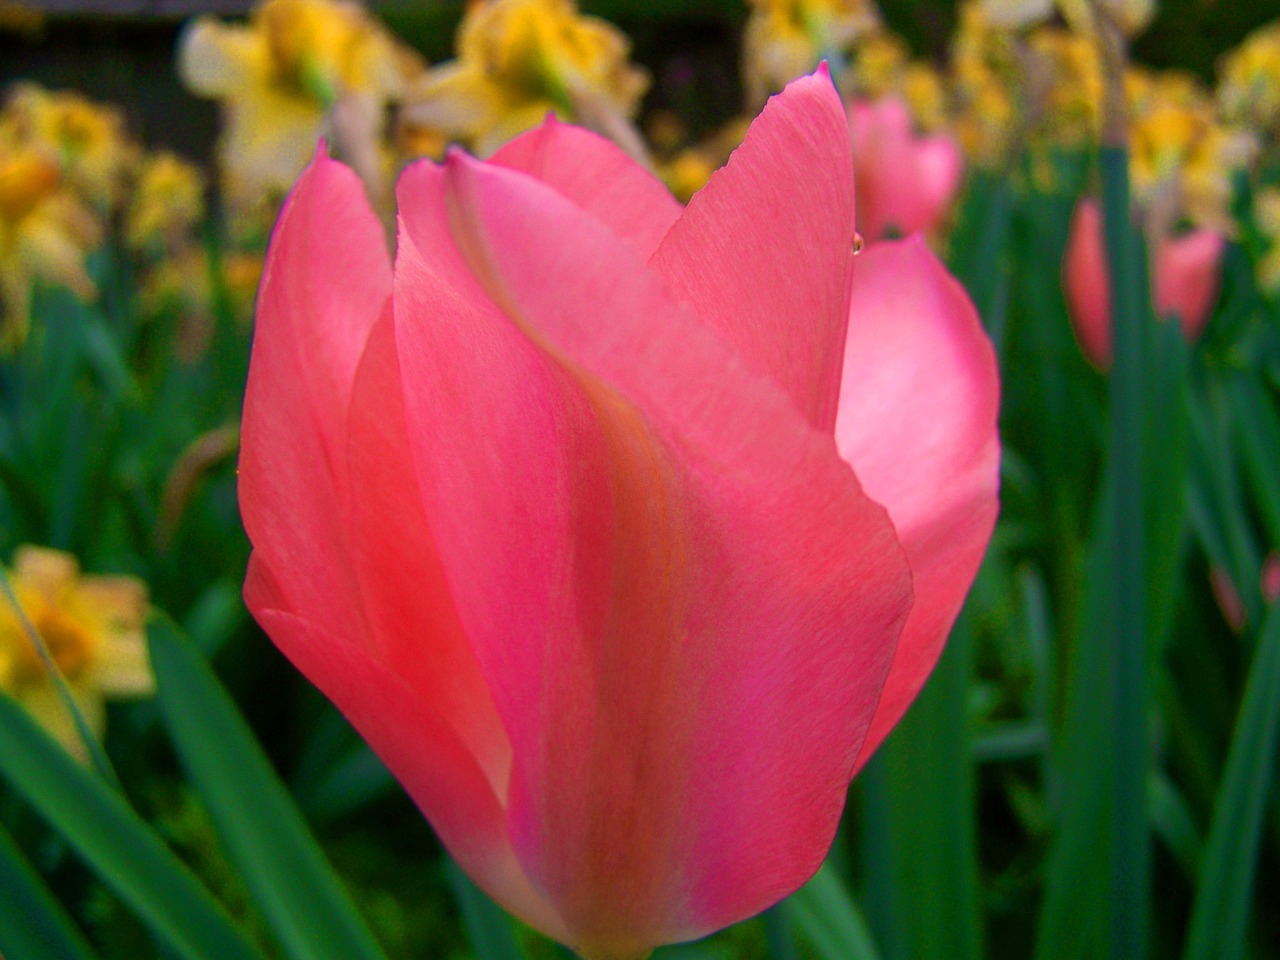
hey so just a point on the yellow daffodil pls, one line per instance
(87, 139)
(1249, 84)
(280, 76)
(1181, 156)
(93, 628)
(1066, 79)
(985, 80)
(45, 233)
(787, 38)
(166, 205)
(519, 60)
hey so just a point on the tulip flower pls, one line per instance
(905, 183)
(1185, 272)
(622, 531)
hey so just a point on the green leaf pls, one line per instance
(265, 835)
(1220, 915)
(487, 924)
(116, 843)
(826, 916)
(926, 885)
(1130, 877)
(33, 925)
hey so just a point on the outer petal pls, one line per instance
(597, 176)
(325, 469)
(918, 423)
(685, 605)
(1088, 284)
(764, 252)
(1187, 271)
(417, 744)
(326, 280)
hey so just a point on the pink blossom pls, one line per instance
(585, 516)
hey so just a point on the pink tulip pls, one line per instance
(1185, 274)
(555, 508)
(906, 183)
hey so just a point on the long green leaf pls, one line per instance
(265, 835)
(826, 916)
(1220, 917)
(927, 824)
(1130, 310)
(116, 843)
(33, 925)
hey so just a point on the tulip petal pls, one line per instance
(326, 280)
(410, 614)
(1187, 271)
(1087, 284)
(682, 601)
(415, 742)
(918, 423)
(597, 176)
(763, 253)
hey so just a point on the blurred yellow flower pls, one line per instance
(93, 627)
(279, 77)
(1181, 156)
(45, 233)
(88, 140)
(787, 38)
(1249, 81)
(986, 80)
(166, 205)
(1067, 79)
(519, 60)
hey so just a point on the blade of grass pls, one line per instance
(1220, 915)
(33, 925)
(115, 842)
(1130, 310)
(828, 919)
(487, 924)
(265, 836)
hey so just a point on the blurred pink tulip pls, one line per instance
(906, 183)
(1185, 275)
(589, 522)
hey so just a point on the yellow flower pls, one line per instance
(45, 233)
(1181, 156)
(93, 627)
(519, 60)
(167, 202)
(1068, 79)
(1249, 84)
(985, 79)
(1266, 214)
(787, 38)
(88, 139)
(279, 76)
